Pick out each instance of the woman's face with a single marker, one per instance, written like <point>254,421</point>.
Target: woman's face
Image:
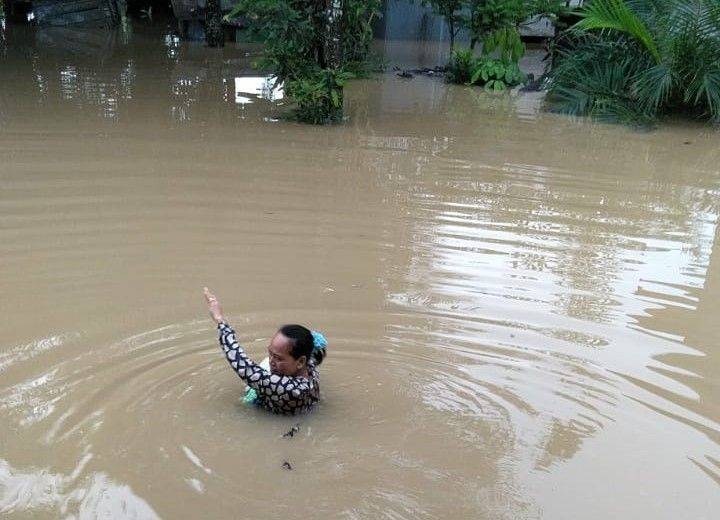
<point>281,361</point>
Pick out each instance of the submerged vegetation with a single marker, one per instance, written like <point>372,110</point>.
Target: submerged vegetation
<point>496,25</point>
<point>313,48</point>
<point>494,73</point>
<point>357,34</point>
<point>635,61</point>
<point>629,61</point>
<point>319,95</point>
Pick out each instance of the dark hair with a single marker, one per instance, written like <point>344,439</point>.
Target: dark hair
<point>303,343</point>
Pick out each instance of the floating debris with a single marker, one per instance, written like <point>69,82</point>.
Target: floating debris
<point>410,73</point>
<point>286,465</point>
<point>533,84</point>
<point>292,431</point>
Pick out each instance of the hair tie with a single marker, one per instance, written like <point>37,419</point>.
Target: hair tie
<point>319,341</point>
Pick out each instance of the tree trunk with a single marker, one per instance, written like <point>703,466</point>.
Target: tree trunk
<point>332,50</point>
<point>332,43</point>
<point>451,25</point>
<point>213,24</point>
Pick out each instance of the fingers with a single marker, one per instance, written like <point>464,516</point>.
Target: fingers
<point>209,297</point>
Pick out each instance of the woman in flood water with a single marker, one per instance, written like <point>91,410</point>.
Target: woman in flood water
<point>292,384</point>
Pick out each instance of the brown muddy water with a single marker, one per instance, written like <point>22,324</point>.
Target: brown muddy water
<point>522,308</point>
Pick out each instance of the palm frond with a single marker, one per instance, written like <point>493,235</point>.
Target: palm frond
<point>705,92</point>
<point>653,86</point>
<point>615,15</point>
<point>611,110</point>
<point>595,79</point>
<point>635,59</point>
<point>708,20</point>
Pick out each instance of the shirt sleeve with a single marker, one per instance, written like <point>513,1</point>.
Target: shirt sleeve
<point>253,374</point>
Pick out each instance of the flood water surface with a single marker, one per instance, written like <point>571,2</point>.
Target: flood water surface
<point>522,308</point>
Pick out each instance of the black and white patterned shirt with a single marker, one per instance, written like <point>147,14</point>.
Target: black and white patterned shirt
<point>279,394</point>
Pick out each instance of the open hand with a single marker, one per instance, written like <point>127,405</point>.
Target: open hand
<point>213,306</point>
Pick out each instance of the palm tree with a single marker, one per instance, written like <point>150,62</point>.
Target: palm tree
<point>634,60</point>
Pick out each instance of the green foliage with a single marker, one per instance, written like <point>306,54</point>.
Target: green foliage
<point>506,42</point>
<point>461,66</point>
<point>497,74</point>
<point>635,61</point>
<point>290,36</point>
<point>451,10</point>
<point>295,33</point>
<point>489,16</point>
<point>616,15</point>
<point>357,34</point>
<point>494,73</point>
<point>595,78</point>
<point>497,22</point>
<point>319,96</point>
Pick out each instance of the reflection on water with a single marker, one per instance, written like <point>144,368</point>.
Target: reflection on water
<point>520,305</point>
<point>64,62</point>
<point>264,87</point>
<point>571,267</point>
<point>97,497</point>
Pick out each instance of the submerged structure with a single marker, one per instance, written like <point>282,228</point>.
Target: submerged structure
<point>62,13</point>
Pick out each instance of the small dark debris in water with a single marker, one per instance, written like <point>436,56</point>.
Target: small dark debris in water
<point>286,465</point>
<point>532,84</point>
<point>430,72</point>
<point>687,142</point>
<point>512,335</point>
<point>292,431</point>
<point>410,73</point>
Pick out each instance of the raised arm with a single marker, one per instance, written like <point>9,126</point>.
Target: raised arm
<point>250,372</point>
<point>253,375</point>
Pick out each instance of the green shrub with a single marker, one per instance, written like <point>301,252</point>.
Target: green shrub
<point>301,49</point>
<point>357,36</point>
<point>635,61</point>
<point>496,23</point>
<point>595,78</point>
<point>496,73</point>
<point>493,73</point>
<point>488,18</point>
<point>461,66</point>
<point>318,96</point>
